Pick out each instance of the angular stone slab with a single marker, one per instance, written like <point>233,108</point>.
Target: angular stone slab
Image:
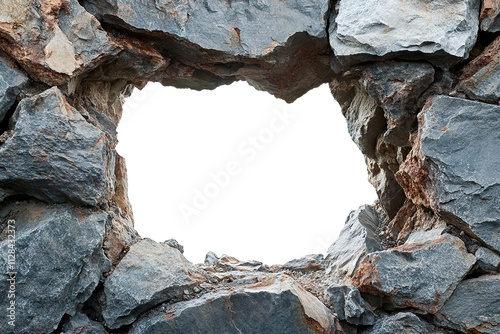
<point>275,306</point>
<point>407,323</point>
<point>11,83</point>
<point>55,155</point>
<point>59,262</point>
<point>363,30</point>
<point>348,305</point>
<point>456,165</point>
<point>487,260</point>
<point>396,86</point>
<point>149,274</point>
<point>357,239</point>
<point>53,40</point>
<point>473,307</point>
<point>311,262</point>
<point>481,77</point>
<point>420,274</point>
<point>277,46</point>
<point>233,27</point>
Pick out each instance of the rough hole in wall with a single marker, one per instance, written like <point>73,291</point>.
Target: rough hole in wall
<point>237,171</point>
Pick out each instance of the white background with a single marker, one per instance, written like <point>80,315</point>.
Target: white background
<point>292,195</point>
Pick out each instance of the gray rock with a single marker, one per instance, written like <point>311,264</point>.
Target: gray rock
<point>211,259</point>
<point>55,155</point>
<point>276,306</point>
<point>81,324</point>
<point>310,262</point>
<point>481,77</point>
<point>487,260</point>
<point>173,243</point>
<point>149,274</point>
<point>473,307</point>
<point>464,187</point>
<point>228,263</point>
<point>12,81</point>
<point>348,305</point>
<point>365,120</point>
<point>280,47</point>
<point>53,41</point>
<point>396,87</point>
<point>362,31</point>
<point>422,236</point>
<point>357,239</point>
<point>406,322</point>
<point>366,123</point>
<point>235,28</point>
<point>420,274</point>
<point>59,262</point>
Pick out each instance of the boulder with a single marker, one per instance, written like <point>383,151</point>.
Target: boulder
<point>12,81</point>
<point>357,239</point>
<point>487,260</point>
<point>396,87</point>
<point>211,259</point>
<point>480,79</point>
<point>277,305</point>
<point>421,274</point>
<point>53,154</point>
<point>149,274</point>
<point>451,168</point>
<point>473,307</point>
<point>406,322</point>
<point>348,305</point>
<point>229,263</point>
<point>53,40</point>
<point>307,263</point>
<point>253,40</point>
<point>58,259</point>
<point>360,31</point>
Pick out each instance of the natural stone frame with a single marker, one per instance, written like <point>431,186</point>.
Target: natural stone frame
<point>62,102</point>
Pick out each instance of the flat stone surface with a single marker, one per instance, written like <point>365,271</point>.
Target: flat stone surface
<point>362,30</point>
<point>55,155</point>
<point>420,274</point>
<point>149,274</point>
<point>357,239</point>
<point>275,306</point>
<point>473,307</point>
<point>59,262</point>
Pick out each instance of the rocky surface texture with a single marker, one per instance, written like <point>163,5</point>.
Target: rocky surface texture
<point>418,84</point>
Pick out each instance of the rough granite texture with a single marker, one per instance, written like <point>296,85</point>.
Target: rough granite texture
<point>362,30</point>
<point>59,262</point>
<point>456,141</point>
<point>274,306</point>
<point>418,85</point>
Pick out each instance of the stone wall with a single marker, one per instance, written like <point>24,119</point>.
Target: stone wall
<point>419,86</point>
